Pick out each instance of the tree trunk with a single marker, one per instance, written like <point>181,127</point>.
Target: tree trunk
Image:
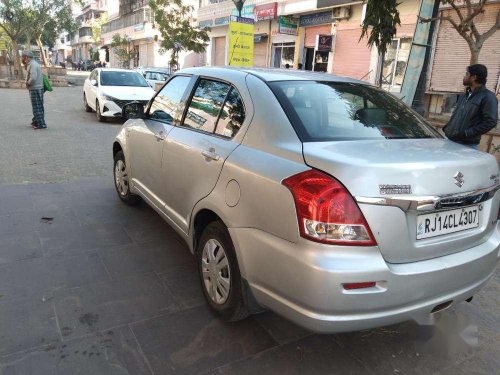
<point>474,55</point>
<point>17,62</point>
<point>42,52</point>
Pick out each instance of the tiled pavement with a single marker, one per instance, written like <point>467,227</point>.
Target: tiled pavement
<point>91,286</point>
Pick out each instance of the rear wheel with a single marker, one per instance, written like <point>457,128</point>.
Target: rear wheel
<point>219,273</point>
<point>122,181</point>
<point>85,104</point>
<point>100,117</point>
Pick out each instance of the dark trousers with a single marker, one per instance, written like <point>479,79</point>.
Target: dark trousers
<point>36,97</point>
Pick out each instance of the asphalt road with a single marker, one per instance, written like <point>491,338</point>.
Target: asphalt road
<point>90,286</point>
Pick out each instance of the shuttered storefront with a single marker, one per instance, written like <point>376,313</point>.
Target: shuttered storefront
<point>452,55</point>
<point>311,32</point>
<point>260,54</point>
<point>351,57</point>
<point>220,51</point>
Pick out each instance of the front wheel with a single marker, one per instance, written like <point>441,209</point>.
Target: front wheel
<point>85,104</point>
<point>220,274</point>
<point>122,181</point>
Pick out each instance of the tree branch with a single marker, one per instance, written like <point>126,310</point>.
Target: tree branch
<point>493,29</point>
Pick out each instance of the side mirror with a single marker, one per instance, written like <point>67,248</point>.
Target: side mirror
<point>133,110</point>
<point>93,82</point>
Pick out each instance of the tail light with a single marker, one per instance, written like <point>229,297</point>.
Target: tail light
<point>326,211</point>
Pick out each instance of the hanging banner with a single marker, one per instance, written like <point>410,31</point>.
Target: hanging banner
<point>287,25</point>
<point>240,46</point>
<point>324,43</point>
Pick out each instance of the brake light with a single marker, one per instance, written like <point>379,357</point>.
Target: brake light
<point>326,211</point>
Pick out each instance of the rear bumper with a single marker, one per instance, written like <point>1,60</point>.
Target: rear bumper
<point>303,281</point>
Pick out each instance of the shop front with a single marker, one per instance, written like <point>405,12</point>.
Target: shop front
<point>284,33</point>
<point>317,30</point>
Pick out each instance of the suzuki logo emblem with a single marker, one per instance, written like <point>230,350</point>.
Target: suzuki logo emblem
<point>459,178</point>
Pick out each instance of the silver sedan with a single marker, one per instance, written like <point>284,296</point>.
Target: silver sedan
<point>322,198</point>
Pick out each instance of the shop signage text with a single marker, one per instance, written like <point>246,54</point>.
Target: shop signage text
<point>240,43</point>
<point>205,23</point>
<point>324,43</point>
<point>266,11</point>
<point>221,21</point>
<point>139,27</point>
<point>316,19</point>
<point>287,25</point>
<point>246,12</point>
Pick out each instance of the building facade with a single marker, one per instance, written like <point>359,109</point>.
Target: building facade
<point>83,44</point>
<point>319,35</point>
<point>134,19</point>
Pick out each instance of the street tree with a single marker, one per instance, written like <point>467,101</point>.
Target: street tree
<point>14,16</point>
<point>43,14</point>
<point>121,47</point>
<point>382,18</point>
<point>178,34</point>
<point>96,28</point>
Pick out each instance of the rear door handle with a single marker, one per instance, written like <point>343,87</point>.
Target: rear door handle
<point>210,154</point>
<point>160,137</point>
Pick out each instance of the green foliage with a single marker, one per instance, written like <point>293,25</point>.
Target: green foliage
<point>174,21</point>
<point>96,28</point>
<point>382,17</point>
<point>123,50</point>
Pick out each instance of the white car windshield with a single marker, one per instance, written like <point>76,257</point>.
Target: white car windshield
<point>332,111</point>
<point>117,78</point>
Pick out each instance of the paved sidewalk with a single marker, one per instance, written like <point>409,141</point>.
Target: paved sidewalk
<point>75,145</point>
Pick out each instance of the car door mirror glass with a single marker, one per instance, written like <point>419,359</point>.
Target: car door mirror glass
<point>133,110</point>
<point>93,82</point>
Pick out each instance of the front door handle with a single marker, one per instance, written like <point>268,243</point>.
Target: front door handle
<point>160,137</point>
<point>210,154</point>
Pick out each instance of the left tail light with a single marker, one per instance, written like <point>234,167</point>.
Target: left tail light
<point>326,211</point>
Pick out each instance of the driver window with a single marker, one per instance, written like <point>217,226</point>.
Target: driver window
<point>165,106</point>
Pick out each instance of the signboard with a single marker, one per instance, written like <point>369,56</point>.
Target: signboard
<point>240,46</point>
<point>205,23</point>
<point>246,12</point>
<point>221,21</point>
<point>324,43</point>
<point>266,11</point>
<point>332,3</point>
<point>3,41</point>
<point>316,19</point>
<point>139,27</point>
<point>287,25</point>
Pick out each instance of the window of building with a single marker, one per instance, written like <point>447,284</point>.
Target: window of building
<point>394,65</point>
<point>283,54</point>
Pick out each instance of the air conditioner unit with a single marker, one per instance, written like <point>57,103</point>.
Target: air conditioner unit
<point>341,13</point>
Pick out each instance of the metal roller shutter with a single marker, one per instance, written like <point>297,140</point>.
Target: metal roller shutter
<point>311,32</point>
<point>452,55</point>
<point>260,54</point>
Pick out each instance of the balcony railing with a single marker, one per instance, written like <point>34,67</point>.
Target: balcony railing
<point>140,16</point>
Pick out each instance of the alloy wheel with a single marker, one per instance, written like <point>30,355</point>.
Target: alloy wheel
<point>121,178</point>
<point>216,272</point>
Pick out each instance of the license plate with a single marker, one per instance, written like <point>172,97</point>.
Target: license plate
<point>445,222</point>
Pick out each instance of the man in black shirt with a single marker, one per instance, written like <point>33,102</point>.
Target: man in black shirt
<point>476,112</point>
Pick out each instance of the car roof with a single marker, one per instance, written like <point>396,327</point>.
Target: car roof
<point>115,70</point>
<point>272,74</point>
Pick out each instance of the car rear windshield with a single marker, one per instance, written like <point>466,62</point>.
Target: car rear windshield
<point>335,111</point>
<point>122,79</point>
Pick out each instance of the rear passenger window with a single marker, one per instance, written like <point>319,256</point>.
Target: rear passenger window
<point>165,106</point>
<point>206,104</point>
<point>232,116</point>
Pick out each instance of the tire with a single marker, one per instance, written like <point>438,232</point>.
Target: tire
<point>225,298</point>
<point>100,117</point>
<point>121,181</point>
<point>85,104</point>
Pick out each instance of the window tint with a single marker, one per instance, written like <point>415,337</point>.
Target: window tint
<point>206,104</point>
<point>166,104</point>
<point>332,111</point>
<point>232,115</point>
<point>119,78</point>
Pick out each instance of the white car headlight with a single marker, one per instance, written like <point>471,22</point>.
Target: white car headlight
<point>107,97</point>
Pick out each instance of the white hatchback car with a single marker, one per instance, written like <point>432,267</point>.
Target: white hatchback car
<point>106,91</point>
